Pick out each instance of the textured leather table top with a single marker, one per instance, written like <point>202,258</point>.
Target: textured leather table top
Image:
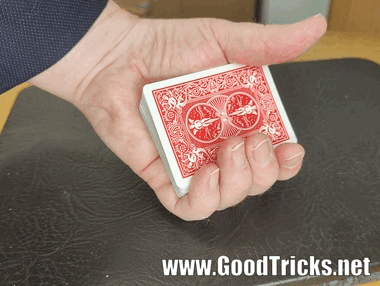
<point>71,213</point>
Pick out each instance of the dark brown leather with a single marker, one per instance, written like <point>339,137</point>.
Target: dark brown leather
<point>71,213</point>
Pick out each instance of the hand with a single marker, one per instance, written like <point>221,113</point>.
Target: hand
<point>121,53</point>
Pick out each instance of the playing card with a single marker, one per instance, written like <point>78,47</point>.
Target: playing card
<point>190,116</point>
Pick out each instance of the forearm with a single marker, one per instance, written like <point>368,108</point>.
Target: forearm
<point>72,74</point>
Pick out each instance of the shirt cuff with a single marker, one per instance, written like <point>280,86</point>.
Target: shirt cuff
<point>35,34</point>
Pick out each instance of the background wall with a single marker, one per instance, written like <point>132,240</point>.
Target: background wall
<point>291,11</point>
<point>240,11</point>
<point>357,16</point>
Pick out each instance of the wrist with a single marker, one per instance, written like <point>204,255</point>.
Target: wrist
<point>70,76</point>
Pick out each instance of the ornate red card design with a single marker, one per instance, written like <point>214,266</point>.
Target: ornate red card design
<point>198,115</point>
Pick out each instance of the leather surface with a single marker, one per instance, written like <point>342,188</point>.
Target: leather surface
<point>71,213</point>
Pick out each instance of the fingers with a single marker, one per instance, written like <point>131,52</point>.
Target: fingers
<point>256,44</point>
<point>245,167</point>
<point>235,172</point>
<point>289,157</point>
<point>263,162</point>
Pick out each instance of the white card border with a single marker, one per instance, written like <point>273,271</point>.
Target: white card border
<point>280,106</point>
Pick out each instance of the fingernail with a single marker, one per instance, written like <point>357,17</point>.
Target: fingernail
<point>293,161</point>
<point>318,15</point>
<point>238,155</point>
<point>214,179</point>
<point>262,152</point>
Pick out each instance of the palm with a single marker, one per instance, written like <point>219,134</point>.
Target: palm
<point>166,49</point>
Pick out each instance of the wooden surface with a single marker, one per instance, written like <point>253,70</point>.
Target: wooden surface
<point>336,44</point>
<point>357,16</point>
<point>6,102</point>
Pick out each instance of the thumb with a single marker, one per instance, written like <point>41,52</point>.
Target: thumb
<point>256,44</point>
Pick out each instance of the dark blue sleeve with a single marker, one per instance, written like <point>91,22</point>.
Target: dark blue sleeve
<point>35,34</point>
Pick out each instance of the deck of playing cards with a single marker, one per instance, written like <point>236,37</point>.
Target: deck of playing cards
<point>190,116</point>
